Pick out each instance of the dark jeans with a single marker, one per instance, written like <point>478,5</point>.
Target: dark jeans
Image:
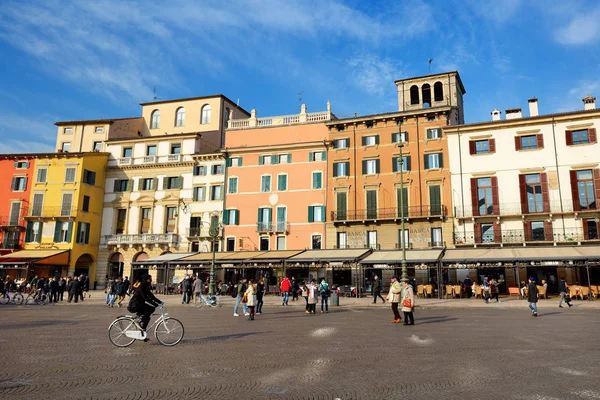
<point>306,298</point>
<point>376,294</point>
<point>145,314</point>
<point>495,296</point>
<point>325,301</point>
<point>395,310</point>
<point>61,294</point>
<point>54,297</point>
<point>468,292</point>
<point>73,296</point>
<point>259,304</point>
<point>408,315</point>
<point>295,294</point>
<point>312,307</point>
<point>251,312</point>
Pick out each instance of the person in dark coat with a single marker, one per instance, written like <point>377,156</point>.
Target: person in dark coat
<point>532,296</point>
<point>62,286</point>
<point>260,292</point>
<point>54,290</point>
<point>563,289</point>
<point>295,289</point>
<point>150,302</point>
<point>73,287</point>
<point>468,285</point>
<point>377,290</point>
<point>126,284</point>
<point>186,289</point>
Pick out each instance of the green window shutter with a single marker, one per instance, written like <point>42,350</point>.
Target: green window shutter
<point>115,186</point>
<point>376,139</point>
<point>28,232</point>
<point>323,214</point>
<point>406,136</point>
<point>428,133</point>
<point>347,168</point>
<point>323,156</point>
<point>204,171</point>
<point>311,214</point>
<point>426,161</point>
<point>57,227</point>
<point>289,158</point>
<point>377,169</point>
<point>275,159</point>
<point>228,162</point>
<point>311,156</point>
<point>240,161</point>
<point>347,142</point>
<point>363,140</point>
<point>225,217</point>
<point>441,160</point>
<point>320,180</point>
<point>260,215</point>
<point>69,232</point>
<point>261,160</point>
<point>154,183</point>
<point>270,215</point>
<point>237,217</point>
<point>439,132</point>
<point>364,167</point>
<point>180,182</point>
<point>395,137</point>
<point>335,169</point>
<point>78,232</point>
<point>404,199</point>
<point>407,163</point>
<point>93,178</point>
<point>87,233</point>
<point>341,206</point>
<point>395,166</point>
<point>130,185</point>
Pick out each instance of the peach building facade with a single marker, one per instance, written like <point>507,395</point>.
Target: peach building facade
<point>276,187</point>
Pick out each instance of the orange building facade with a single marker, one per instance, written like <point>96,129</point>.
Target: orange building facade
<point>275,182</point>
<point>364,185</point>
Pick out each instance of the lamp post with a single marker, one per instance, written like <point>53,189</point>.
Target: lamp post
<point>403,236</point>
<point>213,231</point>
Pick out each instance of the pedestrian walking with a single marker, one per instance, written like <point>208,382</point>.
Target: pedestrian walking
<point>408,303</point>
<point>111,292</point>
<point>62,286</point>
<point>286,286</point>
<point>126,285</point>
<point>251,299</point>
<point>240,290</point>
<point>73,289</point>
<point>81,289</point>
<point>186,290</point>
<point>563,289</point>
<point>532,296</point>
<point>486,290</point>
<point>260,292</point>
<point>494,290</point>
<point>295,289</point>
<point>325,293</point>
<point>394,298</point>
<point>304,293</point>
<point>312,298</point>
<point>121,291</point>
<point>377,290</point>
<point>54,290</point>
<point>198,287</point>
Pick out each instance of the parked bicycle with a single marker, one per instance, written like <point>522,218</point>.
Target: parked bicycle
<point>211,301</point>
<point>126,329</point>
<point>16,298</point>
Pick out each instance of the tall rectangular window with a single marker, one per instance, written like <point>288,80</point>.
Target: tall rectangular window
<point>371,204</point>
<point>195,226</point>
<point>217,169</point>
<point>484,193</point>
<point>174,182</point>
<point>67,202</point>
<point>171,221</point>
<point>435,200</point>
<point>198,193</point>
<point>146,213</point>
<point>216,192</point>
<point>265,183</point>
<point>404,237</point>
<point>66,147</point>
<point>341,169</point>
<point>89,177</point>
<point>19,184</point>
<point>38,203</point>
<point>41,175</point>
<point>121,217</point>
<point>402,202</point>
<point>264,243</point>
<point>317,180</point>
<point>62,232</point>
<point>341,206</point>
<point>537,231</point>
<point>151,150</point>
<point>33,232</point>
<point>70,175</point>
<point>121,185</point>
<point>436,237</point>
<point>146,184</point>
<point>83,233</point>
<point>372,239</point>
<point>533,184</point>
<point>370,167</point>
<point>590,228</point>
<point>231,217</point>
<point>487,233</point>
<point>316,242</point>
<point>397,165</point>
<point>342,240</point>
<point>127,152</point>
<point>433,161</point>
<point>282,182</point>
<point>264,219</point>
<point>585,190</point>
<point>316,213</point>
<point>15,213</point>
<point>281,219</point>
<point>280,242</point>
<point>232,186</point>
<point>97,146</point>
<point>230,244</point>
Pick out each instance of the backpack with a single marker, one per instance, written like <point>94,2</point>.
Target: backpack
<point>326,291</point>
<point>135,304</point>
<point>234,291</point>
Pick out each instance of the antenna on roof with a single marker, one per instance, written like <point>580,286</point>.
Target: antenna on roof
<point>155,96</point>
<point>300,100</point>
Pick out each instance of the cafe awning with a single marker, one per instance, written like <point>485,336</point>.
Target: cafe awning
<point>240,257</point>
<point>522,254</point>
<point>325,256</point>
<point>160,261</point>
<point>202,258</point>
<point>275,256</point>
<point>395,257</point>
<point>35,257</point>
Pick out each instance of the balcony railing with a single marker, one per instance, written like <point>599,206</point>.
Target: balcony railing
<point>389,213</point>
<point>11,245</point>
<point>12,221</point>
<point>264,227</point>
<point>514,208</point>
<point>143,238</point>
<point>519,236</point>
<point>282,226</point>
<point>408,246</point>
<point>303,117</point>
<point>174,158</point>
<point>149,160</point>
<point>125,161</point>
<point>198,232</point>
<point>51,212</point>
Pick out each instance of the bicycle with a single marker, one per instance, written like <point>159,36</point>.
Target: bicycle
<point>212,301</point>
<point>125,330</point>
<point>37,297</point>
<point>17,298</point>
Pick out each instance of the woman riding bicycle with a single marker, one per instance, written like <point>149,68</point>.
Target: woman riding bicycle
<point>146,301</point>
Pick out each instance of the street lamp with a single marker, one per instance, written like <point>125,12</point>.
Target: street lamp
<point>213,232</point>
<point>403,236</point>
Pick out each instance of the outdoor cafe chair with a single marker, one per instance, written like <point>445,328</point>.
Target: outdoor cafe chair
<point>449,291</point>
<point>428,290</point>
<point>584,292</point>
<point>542,292</point>
<point>458,291</point>
<point>594,290</point>
<point>476,291</point>
<point>573,292</point>
<point>420,290</point>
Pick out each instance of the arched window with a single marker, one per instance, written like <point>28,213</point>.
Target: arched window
<point>426,93</point>
<point>414,94</point>
<point>438,91</point>
<point>205,119</point>
<point>180,117</point>
<point>155,119</point>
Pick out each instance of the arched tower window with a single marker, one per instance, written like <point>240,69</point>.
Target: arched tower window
<point>438,91</point>
<point>414,94</point>
<point>180,117</point>
<point>205,119</point>
<point>155,119</point>
<point>426,93</point>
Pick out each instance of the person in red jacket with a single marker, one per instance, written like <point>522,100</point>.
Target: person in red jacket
<point>285,290</point>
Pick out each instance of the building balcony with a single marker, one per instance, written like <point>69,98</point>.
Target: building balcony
<point>198,232</point>
<point>142,238</point>
<point>8,223</point>
<point>50,212</point>
<point>380,214</point>
<point>174,158</point>
<point>149,160</point>
<point>302,118</point>
<point>281,227</point>
<point>264,227</point>
<point>514,209</point>
<point>11,245</point>
<point>125,161</point>
<point>398,246</point>
<point>520,236</point>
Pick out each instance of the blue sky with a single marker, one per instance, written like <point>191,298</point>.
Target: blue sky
<point>65,60</point>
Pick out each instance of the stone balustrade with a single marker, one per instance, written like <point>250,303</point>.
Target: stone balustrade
<point>302,118</point>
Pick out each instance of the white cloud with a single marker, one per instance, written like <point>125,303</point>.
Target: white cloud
<point>581,29</point>
<point>34,133</point>
<point>374,75</point>
<point>495,10</point>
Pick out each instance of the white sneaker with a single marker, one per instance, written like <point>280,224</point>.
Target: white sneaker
<point>246,314</point>
<point>236,314</point>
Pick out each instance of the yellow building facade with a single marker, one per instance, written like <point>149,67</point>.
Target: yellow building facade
<point>64,213</point>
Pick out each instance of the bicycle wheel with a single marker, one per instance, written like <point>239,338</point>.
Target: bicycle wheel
<point>199,303</point>
<point>4,299</point>
<point>40,300</point>
<point>18,298</point>
<point>116,332</point>
<point>169,332</point>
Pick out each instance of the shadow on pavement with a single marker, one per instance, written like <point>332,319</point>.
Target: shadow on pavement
<point>434,321</point>
<point>222,337</point>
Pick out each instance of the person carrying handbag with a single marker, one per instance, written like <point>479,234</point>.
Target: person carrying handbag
<point>408,303</point>
<point>394,297</point>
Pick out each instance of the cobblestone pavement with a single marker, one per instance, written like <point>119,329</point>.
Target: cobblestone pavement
<point>63,352</point>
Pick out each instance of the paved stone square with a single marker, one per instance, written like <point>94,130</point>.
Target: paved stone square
<point>63,352</point>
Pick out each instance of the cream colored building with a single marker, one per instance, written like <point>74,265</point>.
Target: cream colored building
<point>149,180</point>
<point>527,181</point>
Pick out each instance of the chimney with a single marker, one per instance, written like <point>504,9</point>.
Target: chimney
<point>589,102</point>
<point>513,113</point>
<point>496,115</point>
<point>533,107</point>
